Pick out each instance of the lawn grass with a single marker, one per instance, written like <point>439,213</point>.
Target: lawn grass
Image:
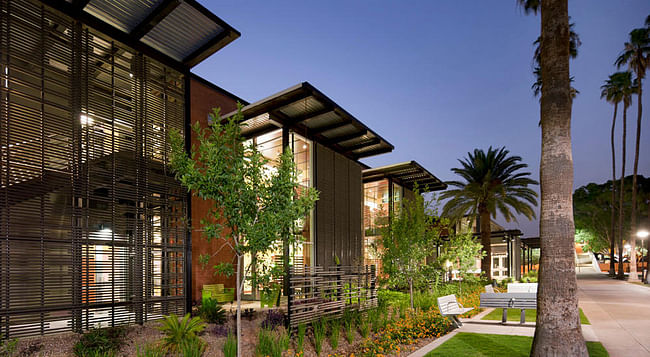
<point>474,344</point>
<point>514,315</point>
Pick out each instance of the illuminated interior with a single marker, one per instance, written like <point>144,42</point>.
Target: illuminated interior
<point>270,146</point>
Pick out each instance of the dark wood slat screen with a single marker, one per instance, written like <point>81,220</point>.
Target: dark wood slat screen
<point>323,292</point>
<point>91,220</point>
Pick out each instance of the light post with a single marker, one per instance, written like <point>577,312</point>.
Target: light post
<point>643,234</point>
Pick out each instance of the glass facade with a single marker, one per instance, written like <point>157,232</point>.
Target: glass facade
<point>376,205</point>
<point>91,219</point>
<point>270,145</point>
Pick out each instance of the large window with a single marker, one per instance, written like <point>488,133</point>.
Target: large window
<point>375,212</point>
<point>270,145</point>
<point>91,219</point>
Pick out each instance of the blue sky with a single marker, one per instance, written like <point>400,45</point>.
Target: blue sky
<point>435,78</point>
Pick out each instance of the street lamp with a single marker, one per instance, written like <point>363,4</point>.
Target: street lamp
<point>643,234</point>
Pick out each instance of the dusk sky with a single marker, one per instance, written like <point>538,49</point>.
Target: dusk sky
<point>435,78</point>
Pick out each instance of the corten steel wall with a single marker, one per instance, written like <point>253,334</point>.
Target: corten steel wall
<point>339,209</point>
<point>203,98</point>
<point>91,220</point>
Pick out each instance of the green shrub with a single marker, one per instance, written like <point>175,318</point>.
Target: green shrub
<point>193,347</point>
<point>364,327</point>
<point>387,298</point>
<point>8,347</point>
<point>150,351</point>
<point>230,346</point>
<point>334,332</point>
<point>99,342</point>
<point>176,332</point>
<point>319,335</point>
<point>374,317</point>
<point>424,301</point>
<point>301,337</point>
<point>349,330</point>
<point>269,345</point>
<point>283,340</point>
<point>212,312</point>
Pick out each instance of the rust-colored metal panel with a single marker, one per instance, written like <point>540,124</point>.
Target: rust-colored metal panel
<point>203,99</point>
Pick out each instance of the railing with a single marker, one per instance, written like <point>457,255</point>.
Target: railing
<point>316,292</point>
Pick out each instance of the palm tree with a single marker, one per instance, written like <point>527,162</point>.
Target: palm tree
<point>574,43</point>
<point>492,183</point>
<point>612,91</point>
<point>637,56</point>
<point>627,87</point>
<point>558,331</point>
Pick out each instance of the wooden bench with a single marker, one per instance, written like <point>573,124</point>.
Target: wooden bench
<point>449,306</point>
<point>522,288</point>
<point>521,301</point>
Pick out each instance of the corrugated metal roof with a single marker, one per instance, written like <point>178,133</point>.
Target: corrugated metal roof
<point>177,32</point>
<point>182,32</point>
<point>310,113</point>
<point>122,14</point>
<point>407,174</point>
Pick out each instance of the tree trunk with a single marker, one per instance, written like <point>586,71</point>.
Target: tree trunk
<point>486,261</point>
<point>612,237</point>
<point>621,272</point>
<point>239,291</point>
<point>411,291</point>
<point>558,331</point>
<point>633,274</point>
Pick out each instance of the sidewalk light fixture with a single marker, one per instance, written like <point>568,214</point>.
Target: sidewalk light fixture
<point>643,234</point>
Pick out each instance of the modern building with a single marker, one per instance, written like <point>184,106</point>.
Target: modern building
<point>93,227</point>
<point>384,189</point>
<point>92,223</point>
<point>327,142</point>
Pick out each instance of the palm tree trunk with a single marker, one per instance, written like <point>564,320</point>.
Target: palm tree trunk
<point>633,274</point>
<point>621,272</point>
<point>558,331</point>
<point>486,261</point>
<point>612,236</point>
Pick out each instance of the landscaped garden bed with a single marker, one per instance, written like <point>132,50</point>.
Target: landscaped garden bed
<point>392,329</point>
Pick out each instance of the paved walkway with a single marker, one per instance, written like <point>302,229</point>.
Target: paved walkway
<point>619,313</point>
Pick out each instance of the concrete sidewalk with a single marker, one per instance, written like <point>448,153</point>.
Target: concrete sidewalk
<point>619,313</point>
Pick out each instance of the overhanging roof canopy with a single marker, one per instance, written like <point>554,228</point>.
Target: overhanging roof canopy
<point>407,174</point>
<point>310,113</point>
<point>182,32</point>
<point>531,242</point>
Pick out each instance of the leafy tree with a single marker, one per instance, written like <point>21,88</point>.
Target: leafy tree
<point>254,208</point>
<point>406,240</point>
<point>558,331</point>
<point>461,251</point>
<point>592,204</point>
<point>492,183</point>
<point>637,56</point>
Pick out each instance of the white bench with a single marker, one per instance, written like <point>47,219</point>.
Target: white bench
<point>520,301</point>
<point>522,288</point>
<point>449,306</point>
<point>489,289</point>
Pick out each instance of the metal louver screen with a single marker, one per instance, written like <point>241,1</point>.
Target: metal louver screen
<point>91,220</point>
